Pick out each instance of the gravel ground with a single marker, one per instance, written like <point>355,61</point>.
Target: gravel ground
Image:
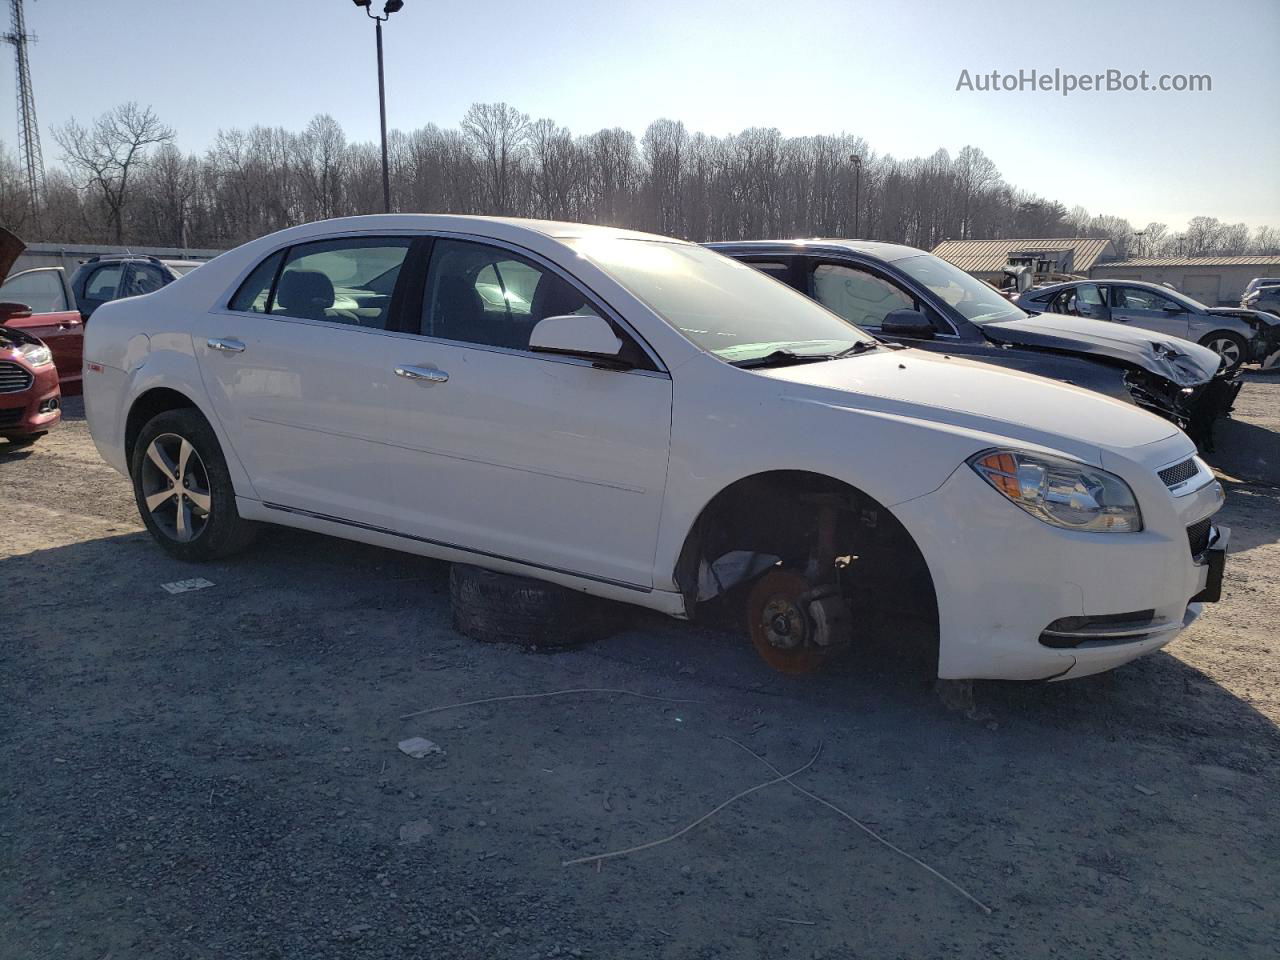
<point>215,773</point>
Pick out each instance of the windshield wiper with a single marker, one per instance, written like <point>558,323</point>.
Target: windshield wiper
<point>781,358</point>
<point>862,346</point>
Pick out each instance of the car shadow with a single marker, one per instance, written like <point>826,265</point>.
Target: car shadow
<point>12,453</point>
<point>1246,452</point>
<point>313,594</point>
<point>255,720</point>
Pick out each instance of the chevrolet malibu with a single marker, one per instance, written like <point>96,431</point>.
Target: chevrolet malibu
<point>644,420</point>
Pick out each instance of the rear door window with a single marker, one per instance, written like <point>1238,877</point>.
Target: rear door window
<point>144,278</point>
<point>104,283</point>
<point>348,280</point>
<point>255,293</point>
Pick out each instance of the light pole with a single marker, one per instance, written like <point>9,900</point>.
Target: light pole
<point>856,159</point>
<point>390,7</point>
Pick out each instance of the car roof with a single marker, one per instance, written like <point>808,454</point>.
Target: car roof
<point>555,229</point>
<point>887,252</point>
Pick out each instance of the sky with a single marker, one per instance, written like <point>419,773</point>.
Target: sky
<point>887,71</point>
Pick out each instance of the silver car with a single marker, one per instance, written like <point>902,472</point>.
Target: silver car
<point>1264,297</point>
<point>1237,335</point>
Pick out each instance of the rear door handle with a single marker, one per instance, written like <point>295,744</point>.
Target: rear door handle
<point>225,345</point>
<point>425,375</point>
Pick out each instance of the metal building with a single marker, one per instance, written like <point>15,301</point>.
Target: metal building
<point>986,259</point>
<point>1215,281</point>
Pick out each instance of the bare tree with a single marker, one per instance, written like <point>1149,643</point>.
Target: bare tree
<point>107,153</point>
<point>751,183</point>
<point>498,131</point>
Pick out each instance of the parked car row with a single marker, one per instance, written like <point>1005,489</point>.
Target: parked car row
<point>42,314</point>
<point>646,420</point>
<point>1238,335</point>
<point>1262,293</point>
<point>903,295</point>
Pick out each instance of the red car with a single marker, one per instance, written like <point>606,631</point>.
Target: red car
<point>48,311</point>
<point>30,401</point>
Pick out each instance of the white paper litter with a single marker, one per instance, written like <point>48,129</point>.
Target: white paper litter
<point>182,586</point>
<point>419,747</point>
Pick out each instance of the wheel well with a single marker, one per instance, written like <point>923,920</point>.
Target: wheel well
<point>150,404</point>
<point>1224,333</point>
<point>779,513</point>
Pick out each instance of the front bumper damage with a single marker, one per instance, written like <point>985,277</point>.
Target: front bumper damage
<point>1195,409</point>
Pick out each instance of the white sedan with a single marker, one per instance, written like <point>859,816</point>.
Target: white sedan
<point>647,421</point>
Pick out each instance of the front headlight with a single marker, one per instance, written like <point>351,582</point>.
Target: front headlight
<point>36,354</point>
<point>1065,493</point>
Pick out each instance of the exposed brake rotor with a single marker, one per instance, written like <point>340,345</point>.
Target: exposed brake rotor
<point>794,627</point>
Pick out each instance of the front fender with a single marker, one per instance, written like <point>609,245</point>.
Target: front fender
<point>721,435</point>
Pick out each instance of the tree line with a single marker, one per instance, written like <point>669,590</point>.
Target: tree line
<point>124,180</point>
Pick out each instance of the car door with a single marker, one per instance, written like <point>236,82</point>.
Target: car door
<point>550,460</point>
<point>102,284</point>
<point>298,369</point>
<point>1082,300</point>
<point>52,319</point>
<point>1149,310</point>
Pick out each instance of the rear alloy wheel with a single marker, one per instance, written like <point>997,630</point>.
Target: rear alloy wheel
<point>175,487</point>
<point>782,628</point>
<point>1231,347</point>
<point>183,489</point>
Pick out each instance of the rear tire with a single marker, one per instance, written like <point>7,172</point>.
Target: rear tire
<point>195,518</point>
<point>1230,346</point>
<point>503,608</point>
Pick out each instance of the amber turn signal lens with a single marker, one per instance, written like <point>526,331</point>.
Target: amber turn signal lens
<point>1002,470</point>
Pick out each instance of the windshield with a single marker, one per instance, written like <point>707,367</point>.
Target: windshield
<point>723,306</point>
<point>974,300</point>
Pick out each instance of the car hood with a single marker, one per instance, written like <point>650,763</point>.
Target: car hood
<point>974,396</point>
<point>1185,363</point>
<point>11,338</point>
<point>1258,319</point>
<point>10,250</point>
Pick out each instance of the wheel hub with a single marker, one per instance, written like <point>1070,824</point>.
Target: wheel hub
<point>782,629</point>
<point>175,487</point>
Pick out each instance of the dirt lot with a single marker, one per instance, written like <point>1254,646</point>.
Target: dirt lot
<point>215,773</point>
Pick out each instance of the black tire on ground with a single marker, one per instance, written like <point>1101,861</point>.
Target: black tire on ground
<point>223,532</point>
<point>1241,346</point>
<point>503,608</point>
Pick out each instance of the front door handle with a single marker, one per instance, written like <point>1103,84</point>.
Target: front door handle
<point>225,345</point>
<point>425,375</point>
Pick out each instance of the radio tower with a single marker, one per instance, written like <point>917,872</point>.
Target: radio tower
<point>29,154</point>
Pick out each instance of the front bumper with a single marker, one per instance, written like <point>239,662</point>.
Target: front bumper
<point>1003,577</point>
<point>34,410</point>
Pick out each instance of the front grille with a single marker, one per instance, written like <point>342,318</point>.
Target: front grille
<point>1179,473</point>
<point>9,417</point>
<point>13,378</point>
<point>1198,536</point>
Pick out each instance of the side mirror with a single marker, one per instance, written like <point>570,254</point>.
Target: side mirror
<point>577,335</point>
<point>907,323</point>
<point>1173,308</point>
<point>13,311</point>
